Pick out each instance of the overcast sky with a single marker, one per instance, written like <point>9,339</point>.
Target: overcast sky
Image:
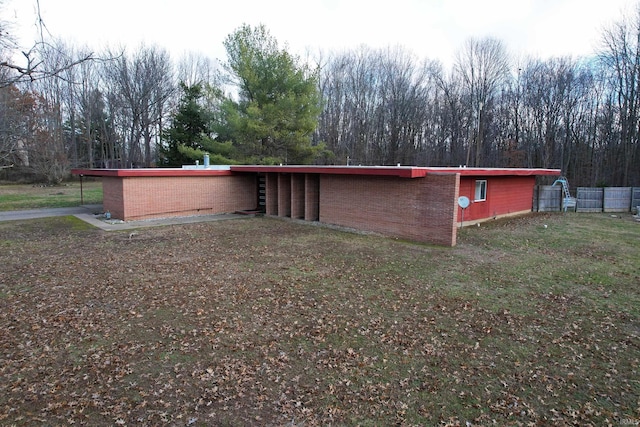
<point>433,29</point>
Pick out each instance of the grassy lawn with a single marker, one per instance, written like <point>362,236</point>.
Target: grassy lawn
<point>27,196</point>
<point>262,321</point>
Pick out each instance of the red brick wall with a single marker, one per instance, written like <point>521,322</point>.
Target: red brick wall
<point>271,181</point>
<point>312,197</point>
<point>297,196</point>
<point>505,195</point>
<point>113,200</point>
<point>420,209</point>
<point>284,195</point>
<point>154,197</point>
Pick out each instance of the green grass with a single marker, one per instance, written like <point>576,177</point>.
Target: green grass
<point>27,196</point>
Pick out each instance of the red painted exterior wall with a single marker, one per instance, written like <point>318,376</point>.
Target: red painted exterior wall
<point>506,195</point>
<point>131,198</point>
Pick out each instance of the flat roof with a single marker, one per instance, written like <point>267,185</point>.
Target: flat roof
<point>397,171</point>
<point>151,172</point>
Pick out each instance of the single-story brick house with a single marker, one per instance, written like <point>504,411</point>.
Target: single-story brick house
<point>414,203</point>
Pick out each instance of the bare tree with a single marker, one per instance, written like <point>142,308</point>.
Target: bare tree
<point>32,66</point>
<point>400,116</point>
<point>483,65</point>
<point>375,106</point>
<point>48,143</point>
<point>195,69</point>
<point>15,109</point>
<point>90,115</point>
<point>139,88</point>
<point>450,117</point>
<point>13,104</point>
<point>620,53</point>
<point>332,127</point>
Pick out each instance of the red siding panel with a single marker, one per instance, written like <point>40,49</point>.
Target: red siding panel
<point>505,196</point>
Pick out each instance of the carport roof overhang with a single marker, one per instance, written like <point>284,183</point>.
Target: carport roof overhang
<point>394,171</point>
<point>150,172</point>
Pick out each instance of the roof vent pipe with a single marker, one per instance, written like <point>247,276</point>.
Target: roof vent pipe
<point>206,160</point>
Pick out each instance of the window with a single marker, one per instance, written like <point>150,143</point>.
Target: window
<point>481,190</point>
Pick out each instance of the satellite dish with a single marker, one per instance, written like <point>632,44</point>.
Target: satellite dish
<point>463,202</point>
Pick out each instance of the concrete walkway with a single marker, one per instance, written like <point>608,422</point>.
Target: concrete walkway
<point>92,214</point>
<point>48,212</point>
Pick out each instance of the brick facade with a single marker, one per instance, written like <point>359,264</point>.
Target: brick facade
<point>421,209</point>
<point>131,198</point>
<point>297,196</point>
<point>407,202</point>
<point>112,196</point>
<point>312,197</point>
<point>284,195</point>
<point>271,201</point>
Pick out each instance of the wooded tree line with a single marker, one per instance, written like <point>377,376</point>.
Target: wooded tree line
<point>139,108</point>
<point>579,115</point>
